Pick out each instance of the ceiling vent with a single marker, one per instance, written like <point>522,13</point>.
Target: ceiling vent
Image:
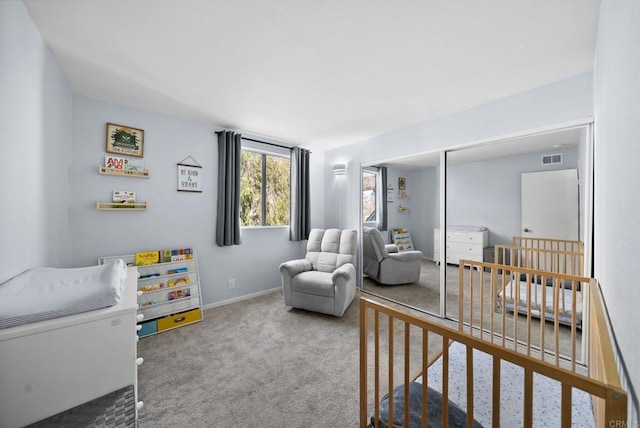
<point>552,159</point>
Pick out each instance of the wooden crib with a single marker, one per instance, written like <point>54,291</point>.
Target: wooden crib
<point>402,354</point>
<point>535,294</point>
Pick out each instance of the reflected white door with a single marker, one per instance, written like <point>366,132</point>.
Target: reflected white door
<point>550,204</point>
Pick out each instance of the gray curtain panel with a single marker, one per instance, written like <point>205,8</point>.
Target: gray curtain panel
<point>299,224</point>
<point>228,221</point>
<point>382,224</point>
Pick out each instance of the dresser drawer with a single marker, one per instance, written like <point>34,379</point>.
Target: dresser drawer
<point>179,319</point>
<point>472,237</point>
<point>464,248</point>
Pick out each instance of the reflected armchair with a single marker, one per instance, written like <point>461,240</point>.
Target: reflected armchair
<point>325,280</point>
<point>384,264</point>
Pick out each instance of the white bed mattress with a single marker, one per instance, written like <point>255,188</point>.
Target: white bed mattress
<point>44,293</point>
<point>565,300</point>
<point>546,392</point>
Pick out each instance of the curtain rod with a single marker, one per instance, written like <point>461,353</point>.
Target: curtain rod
<point>262,142</point>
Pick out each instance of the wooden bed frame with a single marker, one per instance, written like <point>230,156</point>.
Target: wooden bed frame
<point>598,375</point>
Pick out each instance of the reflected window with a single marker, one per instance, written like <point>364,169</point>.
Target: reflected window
<point>369,196</point>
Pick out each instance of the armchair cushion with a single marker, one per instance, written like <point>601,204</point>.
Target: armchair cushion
<point>314,282</point>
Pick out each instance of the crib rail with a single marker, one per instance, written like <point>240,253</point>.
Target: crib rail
<point>541,314</point>
<point>382,327</point>
<point>548,244</point>
<point>548,260</point>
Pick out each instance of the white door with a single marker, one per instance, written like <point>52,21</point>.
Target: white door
<point>550,204</point>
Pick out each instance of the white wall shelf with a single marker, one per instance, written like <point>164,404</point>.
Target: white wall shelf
<point>119,206</point>
<point>123,172</point>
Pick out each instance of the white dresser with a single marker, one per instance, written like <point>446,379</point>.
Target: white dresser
<point>463,242</point>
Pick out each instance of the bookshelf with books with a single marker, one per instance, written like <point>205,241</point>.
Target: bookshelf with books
<point>168,288</point>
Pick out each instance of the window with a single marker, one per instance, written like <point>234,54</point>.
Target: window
<point>264,188</point>
<point>369,196</point>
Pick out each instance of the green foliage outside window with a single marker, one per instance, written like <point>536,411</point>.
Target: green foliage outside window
<point>274,209</point>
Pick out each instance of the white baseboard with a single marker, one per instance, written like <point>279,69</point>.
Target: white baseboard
<point>241,298</point>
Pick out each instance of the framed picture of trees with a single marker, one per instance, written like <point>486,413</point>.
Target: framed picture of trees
<point>125,140</point>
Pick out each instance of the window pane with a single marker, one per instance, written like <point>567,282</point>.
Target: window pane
<point>277,185</point>
<point>369,196</point>
<point>251,189</point>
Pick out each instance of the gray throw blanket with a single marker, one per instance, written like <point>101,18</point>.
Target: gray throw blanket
<point>457,417</point>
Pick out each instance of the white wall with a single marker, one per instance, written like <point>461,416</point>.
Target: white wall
<point>617,190</point>
<point>488,193</point>
<point>566,100</point>
<point>35,129</point>
<point>174,219</point>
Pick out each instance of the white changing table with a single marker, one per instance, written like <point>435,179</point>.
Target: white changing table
<point>50,366</point>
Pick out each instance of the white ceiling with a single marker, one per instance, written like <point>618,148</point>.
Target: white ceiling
<point>316,73</point>
<point>547,142</point>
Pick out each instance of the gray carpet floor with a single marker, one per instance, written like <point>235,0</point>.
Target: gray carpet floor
<point>260,363</point>
<point>254,363</point>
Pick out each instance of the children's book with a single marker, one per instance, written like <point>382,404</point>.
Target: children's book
<point>124,196</point>
<point>147,258</point>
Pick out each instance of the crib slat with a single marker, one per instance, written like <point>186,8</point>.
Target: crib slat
<point>565,406</point>
<point>407,348</point>
<point>363,366</point>
<point>556,320</point>
<point>425,377</point>
<point>376,367</point>
<point>481,302</point>
<point>391,352</point>
<point>461,298</point>
<point>470,300</point>
<point>495,404</point>
<point>445,381</point>
<point>469,386</point>
<point>528,398</point>
<point>574,323</point>
<point>542,322</point>
<point>529,289</point>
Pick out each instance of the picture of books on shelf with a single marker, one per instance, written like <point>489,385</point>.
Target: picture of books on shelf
<point>118,162</point>
<point>124,197</point>
<point>179,294</point>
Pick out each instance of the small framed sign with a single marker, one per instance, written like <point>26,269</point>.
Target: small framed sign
<point>189,176</point>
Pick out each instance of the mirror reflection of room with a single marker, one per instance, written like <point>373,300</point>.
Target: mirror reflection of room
<point>488,203</point>
<point>398,244</point>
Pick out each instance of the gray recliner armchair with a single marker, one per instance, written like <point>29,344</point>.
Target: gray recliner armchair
<point>384,264</point>
<point>325,280</point>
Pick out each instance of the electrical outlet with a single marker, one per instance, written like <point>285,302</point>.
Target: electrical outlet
<point>232,284</point>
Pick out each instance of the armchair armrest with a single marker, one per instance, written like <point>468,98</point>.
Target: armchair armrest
<point>347,271</point>
<point>294,267</point>
<point>391,248</point>
<point>406,256</point>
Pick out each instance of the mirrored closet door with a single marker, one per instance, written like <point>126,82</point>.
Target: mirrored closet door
<point>403,207</point>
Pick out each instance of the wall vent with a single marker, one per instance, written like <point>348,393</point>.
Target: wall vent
<point>552,159</point>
